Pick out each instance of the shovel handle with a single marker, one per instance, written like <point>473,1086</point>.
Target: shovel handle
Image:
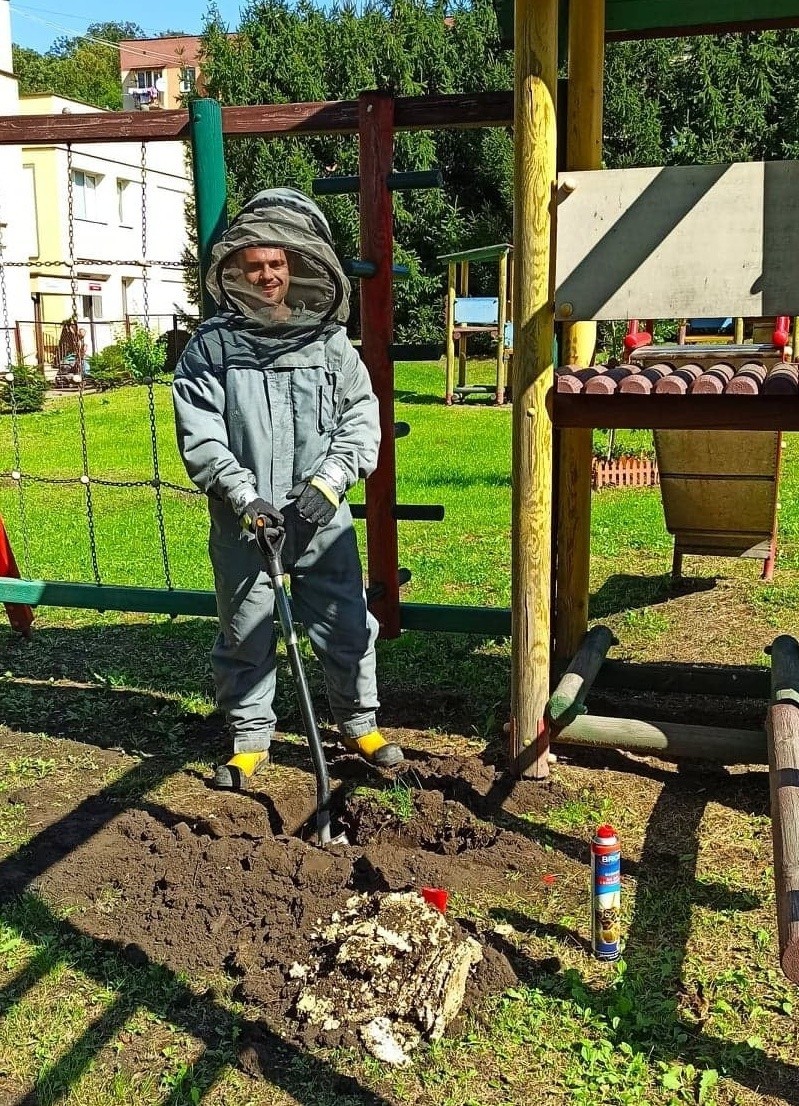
<point>270,540</point>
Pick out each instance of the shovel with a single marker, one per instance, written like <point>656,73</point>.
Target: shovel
<point>270,542</point>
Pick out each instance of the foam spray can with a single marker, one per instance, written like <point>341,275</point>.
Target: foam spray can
<point>605,893</point>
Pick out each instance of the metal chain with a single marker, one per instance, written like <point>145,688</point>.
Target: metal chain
<point>17,473</point>
<point>156,481</point>
<point>138,262</point>
<point>75,480</point>
<point>84,445</point>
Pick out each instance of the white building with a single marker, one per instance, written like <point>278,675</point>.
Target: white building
<point>118,207</point>
<point>17,226</point>
<point>100,212</point>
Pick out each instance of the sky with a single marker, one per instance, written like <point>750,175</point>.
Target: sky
<point>36,23</point>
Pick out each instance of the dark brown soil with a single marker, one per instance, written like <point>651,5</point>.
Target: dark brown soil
<point>229,891</point>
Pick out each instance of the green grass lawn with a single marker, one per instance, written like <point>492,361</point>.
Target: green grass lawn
<point>458,457</point>
<point>698,1012</point>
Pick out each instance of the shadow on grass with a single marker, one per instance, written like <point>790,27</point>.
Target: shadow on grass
<point>624,592</point>
<point>140,983</point>
<point>647,1006</point>
<point>140,685</point>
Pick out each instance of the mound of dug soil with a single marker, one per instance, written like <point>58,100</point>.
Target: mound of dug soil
<point>226,893</point>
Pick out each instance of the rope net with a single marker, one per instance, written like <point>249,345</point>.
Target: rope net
<point>94,490</point>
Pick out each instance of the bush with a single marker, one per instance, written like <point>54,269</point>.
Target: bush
<point>143,354</point>
<point>27,390</point>
<point>109,369</point>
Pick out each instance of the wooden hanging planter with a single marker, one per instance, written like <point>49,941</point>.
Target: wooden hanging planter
<point>624,472</point>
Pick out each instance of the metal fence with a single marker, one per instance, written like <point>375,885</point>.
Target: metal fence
<point>37,342</point>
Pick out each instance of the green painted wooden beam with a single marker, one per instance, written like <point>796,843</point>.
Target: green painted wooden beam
<point>210,185</point>
<point>627,19</point>
<point>490,621</point>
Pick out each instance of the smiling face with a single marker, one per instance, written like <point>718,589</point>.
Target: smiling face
<point>266,268</point>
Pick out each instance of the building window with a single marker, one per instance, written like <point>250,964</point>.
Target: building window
<point>84,195</point>
<point>92,307</point>
<point>146,78</point>
<point>188,79</point>
<point>124,202</point>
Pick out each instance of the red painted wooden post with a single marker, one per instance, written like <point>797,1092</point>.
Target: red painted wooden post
<point>376,135</point>
<point>20,615</point>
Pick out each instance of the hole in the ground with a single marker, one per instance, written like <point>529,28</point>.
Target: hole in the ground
<point>414,820</point>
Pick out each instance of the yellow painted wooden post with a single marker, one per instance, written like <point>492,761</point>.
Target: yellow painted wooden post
<point>738,336</point>
<point>463,341</point>
<point>583,151</point>
<point>502,308</point>
<point>535,132</point>
<point>449,386</point>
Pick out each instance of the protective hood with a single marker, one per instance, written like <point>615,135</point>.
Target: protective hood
<point>318,291</point>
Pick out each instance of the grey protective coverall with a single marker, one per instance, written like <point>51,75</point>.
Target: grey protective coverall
<point>261,405</point>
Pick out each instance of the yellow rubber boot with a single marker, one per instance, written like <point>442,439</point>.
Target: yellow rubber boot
<point>374,749</point>
<point>236,774</point>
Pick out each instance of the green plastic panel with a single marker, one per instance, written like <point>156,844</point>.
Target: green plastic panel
<point>649,18</point>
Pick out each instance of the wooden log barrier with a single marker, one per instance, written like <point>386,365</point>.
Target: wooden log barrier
<point>782,734</point>
<point>748,380</point>
<point>567,699</point>
<point>714,381</point>
<point>642,383</point>
<point>667,739</point>
<point>782,380</point>
<point>607,383</point>
<point>679,382</point>
<point>572,380</point>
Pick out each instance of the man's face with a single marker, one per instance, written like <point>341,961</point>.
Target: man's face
<point>265,267</point>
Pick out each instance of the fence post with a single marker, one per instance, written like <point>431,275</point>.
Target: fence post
<point>210,185</point>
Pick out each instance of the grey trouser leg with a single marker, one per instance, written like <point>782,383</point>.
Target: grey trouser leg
<point>329,602</point>
<point>243,655</point>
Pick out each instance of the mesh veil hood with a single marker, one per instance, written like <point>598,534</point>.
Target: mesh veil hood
<point>286,219</point>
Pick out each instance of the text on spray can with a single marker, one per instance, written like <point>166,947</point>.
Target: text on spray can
<point>605,893</point>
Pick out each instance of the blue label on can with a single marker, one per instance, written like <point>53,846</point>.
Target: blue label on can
<point>606,902</point>
<point>606,936</point>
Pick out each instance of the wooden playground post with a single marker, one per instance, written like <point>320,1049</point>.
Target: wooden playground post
<point>583,151</point>
<point>449,387</point>
<point>502,308</point>
<point>535,125</point>
<point>376,137</point>
<point>782,736</point>
<point>463,340</point>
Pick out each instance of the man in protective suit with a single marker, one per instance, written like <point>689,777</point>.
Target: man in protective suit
<point>276,420</point>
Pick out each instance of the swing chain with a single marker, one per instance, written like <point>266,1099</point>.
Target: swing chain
<point>156,481</point>
<point>73,279</point>
<point>26,554</point>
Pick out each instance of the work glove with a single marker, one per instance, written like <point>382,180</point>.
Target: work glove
<point>259,508</point>
<point>316,501</point>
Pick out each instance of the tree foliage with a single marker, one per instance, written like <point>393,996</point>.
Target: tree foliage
<point>82,67</point>
<point>702,100</point>
<point>285,54</point>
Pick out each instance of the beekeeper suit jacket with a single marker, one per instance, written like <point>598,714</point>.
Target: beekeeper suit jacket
<point>265,398</point>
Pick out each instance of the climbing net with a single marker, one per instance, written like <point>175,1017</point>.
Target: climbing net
<point>79,471</point>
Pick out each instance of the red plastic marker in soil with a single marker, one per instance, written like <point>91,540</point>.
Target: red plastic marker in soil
<point>437,897</point>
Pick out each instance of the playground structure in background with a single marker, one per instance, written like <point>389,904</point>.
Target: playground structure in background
<point>472,315</point>
<point>720,490</point>
<point>631,244</point>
